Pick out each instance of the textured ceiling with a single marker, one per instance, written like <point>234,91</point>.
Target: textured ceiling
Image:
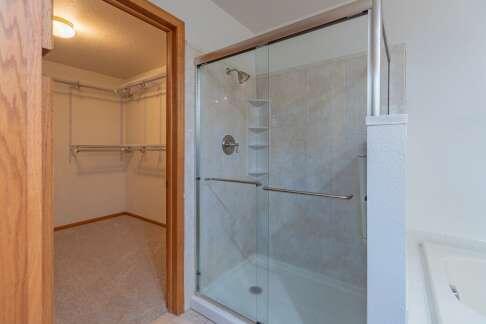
<point>108,40</point>
<point>262,15</point>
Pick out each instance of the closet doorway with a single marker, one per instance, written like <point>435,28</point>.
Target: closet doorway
<point>115,94</point>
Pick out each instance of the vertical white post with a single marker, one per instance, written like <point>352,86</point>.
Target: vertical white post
<point>386,219</point>
<point>375,57</point>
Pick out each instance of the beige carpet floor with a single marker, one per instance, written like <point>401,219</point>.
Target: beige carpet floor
<point>110,271</point>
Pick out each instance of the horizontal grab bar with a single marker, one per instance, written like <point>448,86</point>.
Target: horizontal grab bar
<point>256,183</point>
<point>308,193</point>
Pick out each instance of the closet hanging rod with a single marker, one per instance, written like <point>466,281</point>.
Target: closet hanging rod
<point>77,84</point>
<point>116,148</point>
<point>142,82</point>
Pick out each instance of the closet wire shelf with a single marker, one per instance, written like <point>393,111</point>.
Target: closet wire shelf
<point>75,149</point>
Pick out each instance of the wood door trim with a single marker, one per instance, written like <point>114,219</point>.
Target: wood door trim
<point>26,291</point>
<point>175,29</point>
<point>23,133</point>
<point>47,38</point>
<point>47,219</point>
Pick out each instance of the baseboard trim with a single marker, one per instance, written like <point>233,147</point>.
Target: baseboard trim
<point>102,218</point>
<point>88,221</point>
<point>145,219</point>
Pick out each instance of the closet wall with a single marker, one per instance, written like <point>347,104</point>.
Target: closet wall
<point>145,120</point>
<point>90,185</point>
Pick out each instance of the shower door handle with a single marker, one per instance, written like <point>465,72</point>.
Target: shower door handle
<point>256,183</point>
<point>308,193</point>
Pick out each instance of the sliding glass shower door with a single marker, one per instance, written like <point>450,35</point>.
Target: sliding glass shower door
<point>317,178</point>
<point>232,169</point>
<point>282,179</point>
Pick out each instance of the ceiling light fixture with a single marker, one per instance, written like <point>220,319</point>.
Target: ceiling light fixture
<point>63,28</point>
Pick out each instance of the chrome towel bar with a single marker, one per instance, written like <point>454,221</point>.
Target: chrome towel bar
<point>308,193</point>
<point>267,188</point>
<point>256,183</point>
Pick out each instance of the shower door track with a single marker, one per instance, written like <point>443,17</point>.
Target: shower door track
<point>332,16</point>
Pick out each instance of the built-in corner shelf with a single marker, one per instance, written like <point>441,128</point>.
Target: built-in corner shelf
<point>257,173</point>
<point>258,102</point>
<point>257,146</point>
<point>258,137</point>
<point>258,129</point>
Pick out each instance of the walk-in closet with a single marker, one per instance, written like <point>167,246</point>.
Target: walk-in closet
<point>108,99</point>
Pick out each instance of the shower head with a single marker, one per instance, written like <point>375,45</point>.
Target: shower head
<point>242,76</point>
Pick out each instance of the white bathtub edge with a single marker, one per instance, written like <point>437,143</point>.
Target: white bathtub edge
<point>444,308</point>
<point>433,307</point>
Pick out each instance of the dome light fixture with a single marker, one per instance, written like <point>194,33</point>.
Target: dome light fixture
<point>63,28</point>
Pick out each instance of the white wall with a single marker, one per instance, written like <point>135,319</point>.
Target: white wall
<point>88,186</point>
<point>208,27</point>
<point>387,138</point>
<point>446,77</point>
<point>189,178</point>
<point>145,123</point>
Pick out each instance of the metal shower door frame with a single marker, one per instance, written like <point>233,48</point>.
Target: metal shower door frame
<point>376,35</point>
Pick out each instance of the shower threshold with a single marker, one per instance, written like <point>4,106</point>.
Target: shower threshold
<point>217,312</point>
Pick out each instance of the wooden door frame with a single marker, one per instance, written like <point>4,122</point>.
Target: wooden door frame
<point>26,231</point>
<point>175,30</point>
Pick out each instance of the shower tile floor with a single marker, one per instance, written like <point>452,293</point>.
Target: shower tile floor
<point>111,271</point>
<point>296,296</point>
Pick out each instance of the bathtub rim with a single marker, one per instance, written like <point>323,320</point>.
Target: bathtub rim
<point>444,307</point>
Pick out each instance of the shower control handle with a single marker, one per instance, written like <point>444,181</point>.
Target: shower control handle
<point>235,145</point>
<point>229,145</point>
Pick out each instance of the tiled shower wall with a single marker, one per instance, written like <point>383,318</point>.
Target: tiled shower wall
<point>317,142</point>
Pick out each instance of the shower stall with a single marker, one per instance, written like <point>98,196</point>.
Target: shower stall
<point>281,170</point>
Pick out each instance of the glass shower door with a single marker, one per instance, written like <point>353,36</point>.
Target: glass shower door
<point>317,179</point>
<point>281,173</point>
<point>232,168</point>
